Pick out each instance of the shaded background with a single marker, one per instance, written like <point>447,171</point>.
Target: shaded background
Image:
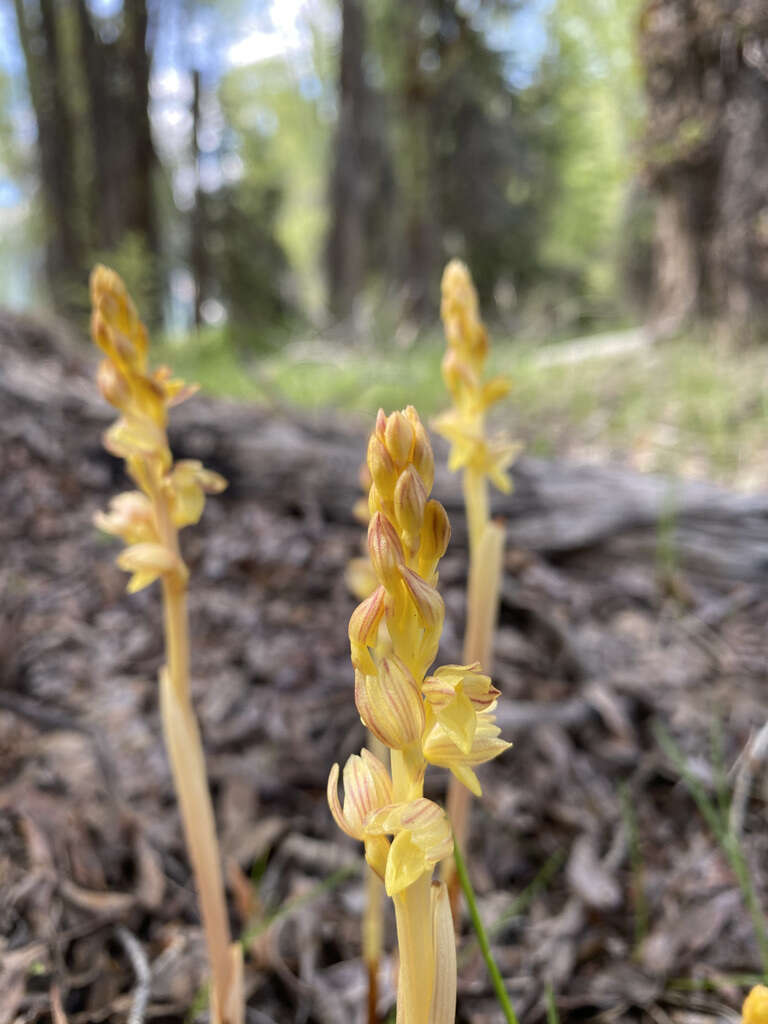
<point>251,164</point>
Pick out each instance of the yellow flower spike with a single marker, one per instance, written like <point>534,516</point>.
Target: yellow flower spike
<point>463,366</point>
<point>482,460</point>
<point>120,331</point>
<point>755,1008</point>
<point>148,520</point>
<point>394,637</point>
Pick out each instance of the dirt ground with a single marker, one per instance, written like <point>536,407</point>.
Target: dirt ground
<point>595,870</point>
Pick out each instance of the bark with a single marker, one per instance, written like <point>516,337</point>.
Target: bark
<point>420,264</point>
<point>350,182</point>
<point>299,465</point>
<point>64,242</point>
<point>117,74</point>
<point>706,81</point>
<point>198,256</point>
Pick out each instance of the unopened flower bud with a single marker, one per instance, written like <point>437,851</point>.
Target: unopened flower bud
<point>410,499</point>
<point>382,467</point>
<point>390,704</point>
<point>398,438</point>
<point>429,605</point>
<point>113,385</point>
<point>422,456</point>
<point>385,549</point>
<point>435,534</point>
<point>380,428</point>
<point>364,628</point>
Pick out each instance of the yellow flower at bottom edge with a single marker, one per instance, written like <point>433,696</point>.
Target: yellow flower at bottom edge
<point>755,1008</point>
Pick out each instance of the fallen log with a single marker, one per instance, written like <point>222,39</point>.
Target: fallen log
<point>307,465</point>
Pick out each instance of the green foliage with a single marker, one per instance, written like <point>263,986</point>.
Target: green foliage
<point>588,96</point>
<point>716,812</point>
<point>283,143</point>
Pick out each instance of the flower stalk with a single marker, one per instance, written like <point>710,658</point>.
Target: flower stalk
<point>169,496</point>
<point>482,460</point>
<point>446,718</point>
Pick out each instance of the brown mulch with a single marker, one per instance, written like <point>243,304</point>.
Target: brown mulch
<point>591,861</point>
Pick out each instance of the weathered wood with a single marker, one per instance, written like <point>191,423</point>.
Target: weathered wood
<point>307,465</point>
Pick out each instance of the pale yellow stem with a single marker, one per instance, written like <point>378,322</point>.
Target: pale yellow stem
<point>475,487</point>
<point>483,597</point>
<point>185,751</point>
<point>413,914</point>
<point>485,564</point>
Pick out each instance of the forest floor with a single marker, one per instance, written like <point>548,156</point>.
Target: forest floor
<point>687,406</point>
<point>600,878</point>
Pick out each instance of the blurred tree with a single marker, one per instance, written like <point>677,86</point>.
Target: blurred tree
<point>40,35</point>
<point>351,182</point>
<point>88,77</point>
<point>278,139</point>
<point>443,138</point>
<point>586,101</point>
<point>116,64</point>
<point>706,152</point>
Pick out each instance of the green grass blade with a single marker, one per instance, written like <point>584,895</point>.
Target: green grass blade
<point>482,937</point>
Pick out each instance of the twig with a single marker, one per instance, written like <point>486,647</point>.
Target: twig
<point>57,1010</point>
<point>482,937</point>
<point>143,973</point>
<point>752,757</point>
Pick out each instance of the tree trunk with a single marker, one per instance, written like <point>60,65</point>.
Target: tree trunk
<point>117,74</point>
<point>350,187</point>
<point>197,251</point>
<point>420,264</point>
<point>64,242</point>
<point>706,80</point>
